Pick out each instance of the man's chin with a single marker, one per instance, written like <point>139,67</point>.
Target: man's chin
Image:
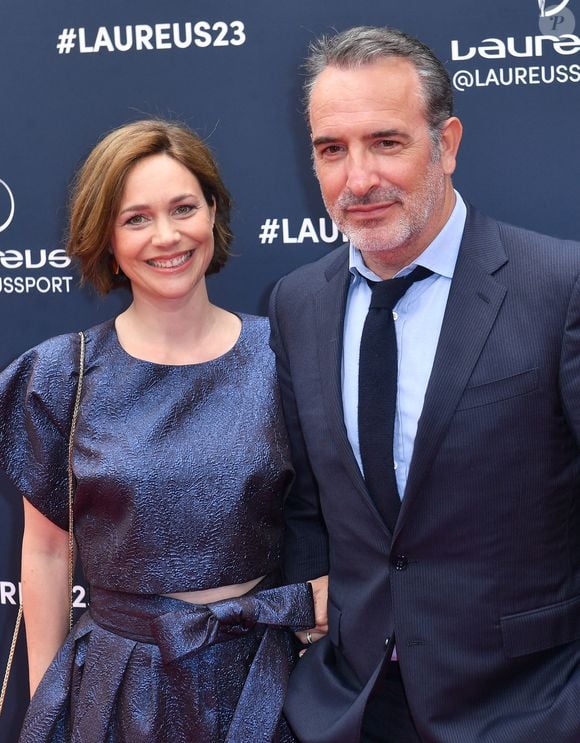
<point>371,237</point>
<point>372,243</point>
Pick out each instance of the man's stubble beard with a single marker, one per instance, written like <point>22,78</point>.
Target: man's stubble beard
<point>416,210</point>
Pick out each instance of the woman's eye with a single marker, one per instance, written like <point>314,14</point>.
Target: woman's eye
<point>184,209</point>
<point>136,219</point>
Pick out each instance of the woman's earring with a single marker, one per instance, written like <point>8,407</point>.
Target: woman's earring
<point>115,267</point>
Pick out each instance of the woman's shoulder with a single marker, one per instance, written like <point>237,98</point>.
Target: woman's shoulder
<point>256,331</point>
<point>48,361</point>
<point>50,369</point>
<point>255,323</point>
<point>60,351</point>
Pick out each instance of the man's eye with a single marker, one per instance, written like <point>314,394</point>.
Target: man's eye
<point>387,144</point>
<point>331,149</point>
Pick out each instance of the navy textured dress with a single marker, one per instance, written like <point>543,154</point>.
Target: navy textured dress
<point>181,474</point>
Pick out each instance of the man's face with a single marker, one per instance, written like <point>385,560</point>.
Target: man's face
<point>383,180</point>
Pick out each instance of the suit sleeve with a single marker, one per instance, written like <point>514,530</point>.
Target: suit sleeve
<point>306,538</point>
<point>570,363</point>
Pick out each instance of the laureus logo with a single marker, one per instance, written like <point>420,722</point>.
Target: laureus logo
<point>551,9</point>
<point>3,203</point>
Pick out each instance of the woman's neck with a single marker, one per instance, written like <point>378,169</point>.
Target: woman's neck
<point>176,333</point>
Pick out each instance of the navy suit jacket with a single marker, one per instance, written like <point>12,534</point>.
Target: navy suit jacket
<point>480,581</point>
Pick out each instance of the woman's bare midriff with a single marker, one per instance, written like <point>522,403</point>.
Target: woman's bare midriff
<point>210,595</point>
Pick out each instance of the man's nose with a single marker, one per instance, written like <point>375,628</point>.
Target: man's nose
<point>362,175</point>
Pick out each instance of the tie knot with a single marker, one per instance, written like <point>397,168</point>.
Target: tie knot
<point>386,294</point>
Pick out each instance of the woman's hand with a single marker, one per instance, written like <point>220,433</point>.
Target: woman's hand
<point>320,598</point>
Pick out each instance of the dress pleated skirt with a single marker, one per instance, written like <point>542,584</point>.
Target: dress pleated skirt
<point>149,669</point>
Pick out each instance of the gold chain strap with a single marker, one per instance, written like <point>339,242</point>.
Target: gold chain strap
<point>10,657</point>
<point>70,526</point>
<point>71,536</point>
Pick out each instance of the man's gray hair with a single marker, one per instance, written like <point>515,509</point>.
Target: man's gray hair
<point>362,45</point>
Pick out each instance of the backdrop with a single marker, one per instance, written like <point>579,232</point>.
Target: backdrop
<point>70,70</point>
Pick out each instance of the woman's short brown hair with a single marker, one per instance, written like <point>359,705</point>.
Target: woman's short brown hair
<point>99,185</point>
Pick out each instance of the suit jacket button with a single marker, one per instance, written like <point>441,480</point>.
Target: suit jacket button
<point>401,562</point>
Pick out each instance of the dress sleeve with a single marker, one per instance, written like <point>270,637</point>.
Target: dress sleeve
<point>36,401</point>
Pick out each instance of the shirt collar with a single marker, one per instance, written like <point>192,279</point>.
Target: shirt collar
<point>439,256</point>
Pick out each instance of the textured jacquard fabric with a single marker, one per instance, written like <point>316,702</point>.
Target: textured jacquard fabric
<point>181,474</point>
<point>129,673</point>
<point>181,470</point>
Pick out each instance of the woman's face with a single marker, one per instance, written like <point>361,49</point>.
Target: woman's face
<point>163,232</point>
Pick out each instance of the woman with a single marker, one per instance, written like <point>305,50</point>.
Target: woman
<point>180,464</point>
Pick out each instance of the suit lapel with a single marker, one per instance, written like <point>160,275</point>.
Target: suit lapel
<point>474,301</point>
<point>330,305</point>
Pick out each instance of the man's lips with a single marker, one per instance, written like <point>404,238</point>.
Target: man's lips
<point>369,210</point>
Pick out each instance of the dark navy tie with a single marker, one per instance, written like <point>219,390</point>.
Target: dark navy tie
<point>377,392</point>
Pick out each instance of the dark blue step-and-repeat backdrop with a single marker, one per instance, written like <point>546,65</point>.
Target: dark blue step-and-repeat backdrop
<point>70,70</point>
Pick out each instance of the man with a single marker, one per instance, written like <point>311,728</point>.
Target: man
<point>455,619</point>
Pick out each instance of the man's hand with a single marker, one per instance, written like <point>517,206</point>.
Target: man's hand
<point>320,597</point>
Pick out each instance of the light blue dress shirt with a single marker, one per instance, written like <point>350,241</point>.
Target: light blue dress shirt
<point>418,317</point>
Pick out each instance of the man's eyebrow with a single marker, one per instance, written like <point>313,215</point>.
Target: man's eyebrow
<point>386,134</point>
<point>380,134</point>
<point>323,140</point>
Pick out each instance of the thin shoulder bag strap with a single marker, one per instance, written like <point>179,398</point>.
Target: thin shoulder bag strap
<point>10,657</point>
<point>71,483</point>
<point>10,660</point>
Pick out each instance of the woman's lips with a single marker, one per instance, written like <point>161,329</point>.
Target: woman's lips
<point>171,261</point>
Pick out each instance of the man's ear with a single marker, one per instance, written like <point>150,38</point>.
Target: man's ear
<point>451,133</point>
